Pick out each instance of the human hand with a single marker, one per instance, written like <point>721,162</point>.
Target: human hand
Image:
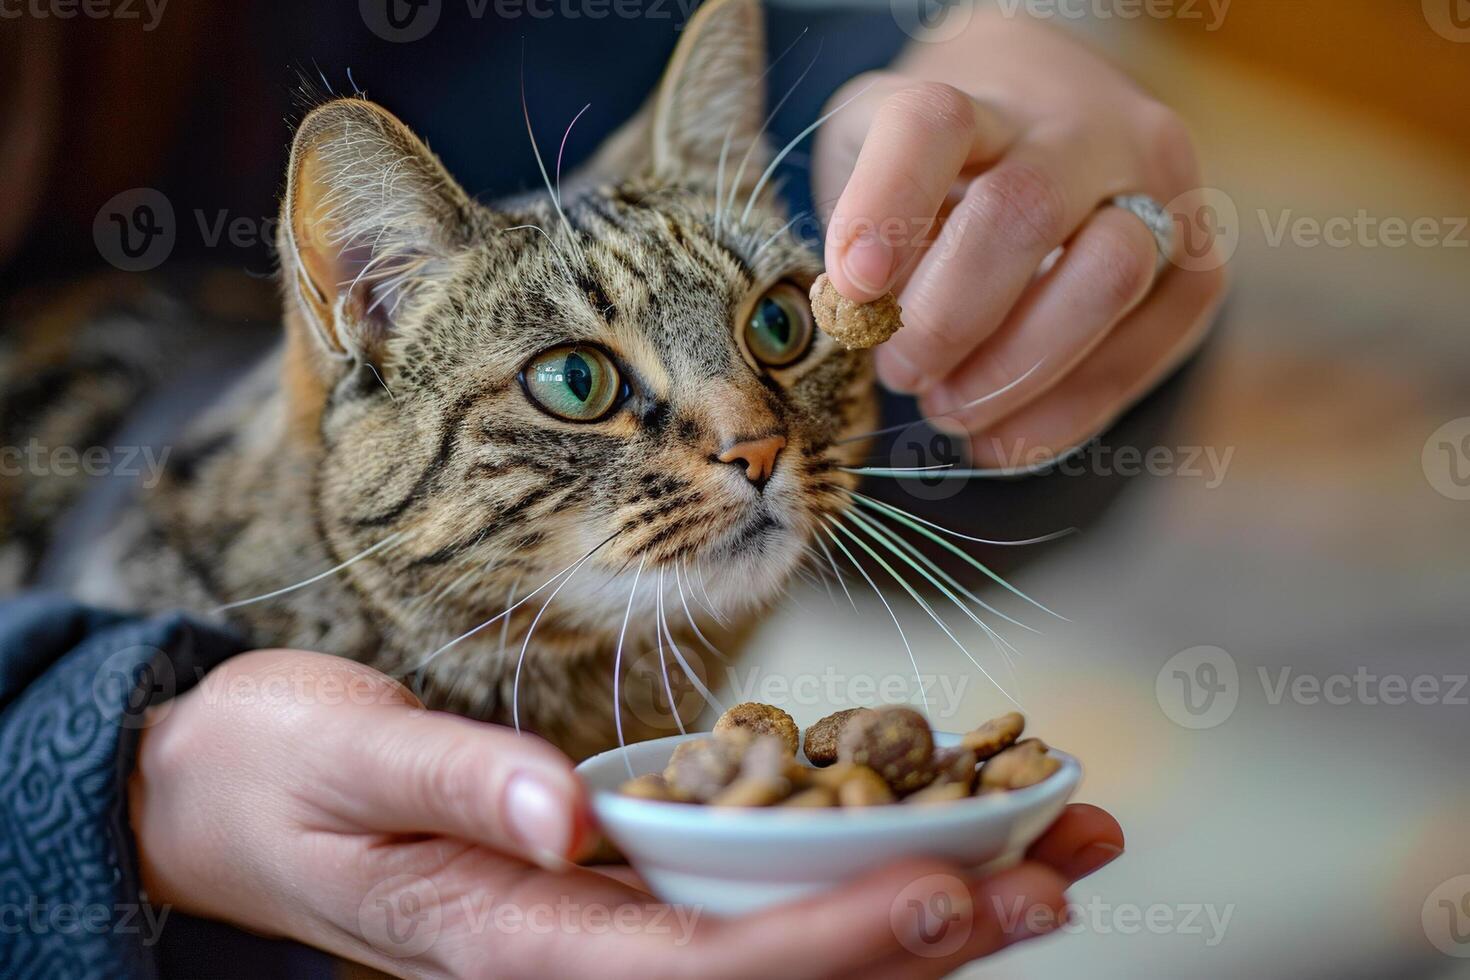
<point>302,795</point>
<point>955,175</point>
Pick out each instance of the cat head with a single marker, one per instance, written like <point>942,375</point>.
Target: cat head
<point>627,368</point>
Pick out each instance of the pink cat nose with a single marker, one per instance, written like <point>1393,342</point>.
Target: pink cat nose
<point>758,455</point>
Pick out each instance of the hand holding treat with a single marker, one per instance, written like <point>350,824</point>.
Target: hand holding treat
<point>856,326</point>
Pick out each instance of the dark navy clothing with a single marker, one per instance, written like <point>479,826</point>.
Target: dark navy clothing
<point>75,684</point>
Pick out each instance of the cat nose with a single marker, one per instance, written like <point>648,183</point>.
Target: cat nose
<point>757,455</point>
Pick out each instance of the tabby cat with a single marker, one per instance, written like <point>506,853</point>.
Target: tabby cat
<point>617,383</point>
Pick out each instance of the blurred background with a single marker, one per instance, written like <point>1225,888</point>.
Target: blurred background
<point>1264,659</point>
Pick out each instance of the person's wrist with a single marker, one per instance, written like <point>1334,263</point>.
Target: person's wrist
<point>178,865</point>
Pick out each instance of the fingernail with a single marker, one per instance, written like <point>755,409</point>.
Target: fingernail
<point>868,264</point>
<point>1090,858</point>
<point>539,820</point>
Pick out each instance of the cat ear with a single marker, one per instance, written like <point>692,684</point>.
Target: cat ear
<point>712,91</point>
<point>371,220</point>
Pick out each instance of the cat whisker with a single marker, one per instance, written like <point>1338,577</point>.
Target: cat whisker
<point>776,160</point>
<point>917,524</point>
<point>950,580</point>
<point>563,148</point>
<point>515,685</point>
<point>708,603</point>
<point>870,470</point>
<point>755,257</point>
<point>730,134</point>
<point>873,504</point>
<point>541,165</point>
<point>913,594</point>
<point>999,642</point>
<point>745,160</point>
<point>836,571</point>
<point>556,249</point>
<point>970,404</point>
<point>663,665</point>
<point>568,571</point>
<point>389,540</point>
<point>692,624</point>
<point>618,667</point>
<point>821,571</point>
<point>893,615</point>
<point>689,672</point>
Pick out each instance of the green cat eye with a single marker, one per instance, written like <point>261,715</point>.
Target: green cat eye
<point>574,382</point>
<point>779,330</point>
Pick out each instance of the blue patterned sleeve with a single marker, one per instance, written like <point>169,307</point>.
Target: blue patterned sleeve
<point>75,684</point>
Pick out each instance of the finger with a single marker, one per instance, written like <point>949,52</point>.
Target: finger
<point>1104,273</point>
<point>1083,839</point>
<point>1010,907</point>
<point>993,242</point>
<point>891,198</point>
<point>430,772</point>
<point>1140,352</point>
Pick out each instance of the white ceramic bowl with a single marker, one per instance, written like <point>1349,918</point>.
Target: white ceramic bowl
<point>730,860</point>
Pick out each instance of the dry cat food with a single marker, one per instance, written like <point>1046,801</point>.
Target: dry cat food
<point>856,326</point>
<point>859,757</point>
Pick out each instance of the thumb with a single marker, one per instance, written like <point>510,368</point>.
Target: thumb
<point>414,771</point>
<point>920,136</point>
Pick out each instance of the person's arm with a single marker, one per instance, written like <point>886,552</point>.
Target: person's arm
<point>74,683</point>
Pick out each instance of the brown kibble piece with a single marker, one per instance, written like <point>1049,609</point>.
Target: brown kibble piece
<point>820,744</point>
<point>760,719</point>
<point>995,735</point>
<point>895,742</point>
<point>817,796</point>
<point>1019,766</point>
<point>955,766</point>
<point>832,776</point>
<point>700,769</point>
<point>856,326</point>
<point>650,786</point>
<point>751,791</point>
<point>864,787</point>
<point>938,793</point>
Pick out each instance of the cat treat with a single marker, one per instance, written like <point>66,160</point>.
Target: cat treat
<point>856,326</point>
<point>760,719</point>
<point>858,757</point>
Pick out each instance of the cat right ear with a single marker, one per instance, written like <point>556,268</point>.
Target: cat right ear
<point>371,220</point>
<point>712,97</point>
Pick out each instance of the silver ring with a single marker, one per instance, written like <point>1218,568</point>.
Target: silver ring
<point>1158,220</point>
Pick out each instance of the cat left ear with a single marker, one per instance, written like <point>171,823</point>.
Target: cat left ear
<point>713,92</point>
<point>370,220</point>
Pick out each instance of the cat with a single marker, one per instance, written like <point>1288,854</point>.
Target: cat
<point>618,383</point>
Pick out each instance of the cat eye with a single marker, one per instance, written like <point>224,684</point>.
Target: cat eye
<point>779,330</point>
<point>574,382</point>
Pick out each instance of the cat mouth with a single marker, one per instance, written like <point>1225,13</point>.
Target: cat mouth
<point>753,534</point>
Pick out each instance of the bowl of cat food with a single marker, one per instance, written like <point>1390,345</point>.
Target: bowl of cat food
<point>757,813</point>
